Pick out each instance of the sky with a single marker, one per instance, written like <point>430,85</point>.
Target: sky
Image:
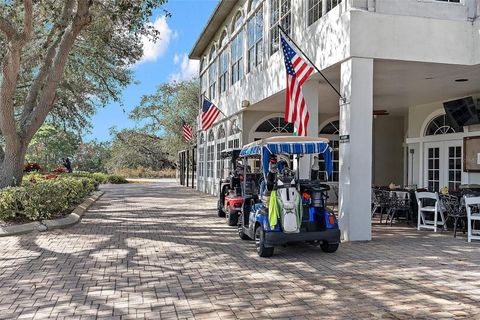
<point>163,61</point>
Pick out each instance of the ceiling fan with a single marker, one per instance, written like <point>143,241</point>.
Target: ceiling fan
<point>380,113</point>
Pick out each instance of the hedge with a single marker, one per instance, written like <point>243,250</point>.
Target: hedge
<point>38,199</point>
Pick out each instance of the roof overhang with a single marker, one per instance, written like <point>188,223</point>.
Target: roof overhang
<point>215,22</point>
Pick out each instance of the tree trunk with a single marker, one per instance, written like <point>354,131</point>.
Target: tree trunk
<point>13,164</point>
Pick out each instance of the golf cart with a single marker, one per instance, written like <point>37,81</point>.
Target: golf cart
<point>230,197</point>
<point>288,209</point>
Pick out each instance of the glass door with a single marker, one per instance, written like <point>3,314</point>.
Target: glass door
<point>443,165</point>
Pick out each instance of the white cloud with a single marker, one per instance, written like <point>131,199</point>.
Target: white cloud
<point>152,50</point>
<point>188,68</point>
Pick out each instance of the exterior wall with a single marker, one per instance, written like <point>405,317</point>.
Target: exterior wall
<point>405,30</point>
<point>418,118</point>
<point>388,153</point>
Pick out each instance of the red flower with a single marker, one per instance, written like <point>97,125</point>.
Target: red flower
<point>50,176</point>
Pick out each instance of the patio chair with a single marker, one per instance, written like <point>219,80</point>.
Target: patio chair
<point>454,210</point>
<point>399,202</point>
<point>428,204</point>
<point>380,200</point>
<point>472,216</point>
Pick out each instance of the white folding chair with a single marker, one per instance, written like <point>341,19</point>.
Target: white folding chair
<point>473,234</point>
<point>424,211</point>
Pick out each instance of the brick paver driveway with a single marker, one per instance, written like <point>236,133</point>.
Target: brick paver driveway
<point>158,251</point>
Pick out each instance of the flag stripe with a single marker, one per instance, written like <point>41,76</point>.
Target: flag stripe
<point>209,114</point>
<point>298,71</point>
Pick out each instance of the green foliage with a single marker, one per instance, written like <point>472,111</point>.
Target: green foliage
<point>112,178</point>
<point>50,144</point>
<point>43,198</point>
<point>101,178</point>
<point>163,113</point>
<point>132,149</point>
<point>92,156</point>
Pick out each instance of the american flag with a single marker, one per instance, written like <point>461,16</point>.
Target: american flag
<point>298,72</point>
<point>209,114</point>
<point>187,132</point>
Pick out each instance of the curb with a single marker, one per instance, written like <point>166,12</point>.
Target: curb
<point>45,225</point>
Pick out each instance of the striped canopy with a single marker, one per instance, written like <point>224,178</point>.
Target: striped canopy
<point>288,145</point>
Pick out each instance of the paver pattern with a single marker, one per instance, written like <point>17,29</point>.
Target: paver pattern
<point>158,251</point>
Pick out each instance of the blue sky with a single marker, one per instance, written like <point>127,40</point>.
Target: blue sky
<point>162,62</point>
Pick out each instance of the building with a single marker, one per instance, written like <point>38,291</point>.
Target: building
<point>394,61</point>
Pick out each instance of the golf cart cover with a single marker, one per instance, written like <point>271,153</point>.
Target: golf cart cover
<point>289,145</point>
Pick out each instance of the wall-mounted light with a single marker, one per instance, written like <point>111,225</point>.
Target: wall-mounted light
<point>245,103</point>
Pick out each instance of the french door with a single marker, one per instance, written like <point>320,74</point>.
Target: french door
<point>443,165</point>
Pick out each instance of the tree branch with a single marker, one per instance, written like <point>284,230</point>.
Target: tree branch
<point>45,103</point>
<point>7,28</point>
<point>47,63</point>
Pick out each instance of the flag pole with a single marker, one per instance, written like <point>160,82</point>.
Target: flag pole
<point>310,61</point>
<point>228,118</point>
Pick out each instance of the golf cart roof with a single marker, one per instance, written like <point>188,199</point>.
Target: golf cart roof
<point>286,145</point>
<point>230,153</point>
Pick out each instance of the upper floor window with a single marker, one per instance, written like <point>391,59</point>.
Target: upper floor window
<point>332,4</point>
<point>237,21</point>
<point>223,71</point>
<point>252,5</point>
<point>237,57</point>
<point>223,39</point>
<point>255,39</point>
<point>280,14</point>
<point>212,75</point>
<point>314,11</point>
<point>441,125</point>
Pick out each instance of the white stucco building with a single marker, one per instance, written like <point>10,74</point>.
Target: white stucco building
<point>404,57</point>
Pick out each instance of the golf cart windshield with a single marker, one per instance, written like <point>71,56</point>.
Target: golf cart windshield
<point>265,148</point>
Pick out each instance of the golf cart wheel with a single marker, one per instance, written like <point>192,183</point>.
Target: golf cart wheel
<point>220,212</point>
<point>329,248</point>
<point>232,218</point>
<point>262,251</point>
<point>242,234</point>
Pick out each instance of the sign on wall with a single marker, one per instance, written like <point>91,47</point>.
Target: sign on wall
<point>471,154</point>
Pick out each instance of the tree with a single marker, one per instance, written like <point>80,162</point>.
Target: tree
<point>50,144</point>
<point>132,149</point>
<point>62,59</point>
<point>163,112</point>
<point>92,156</point>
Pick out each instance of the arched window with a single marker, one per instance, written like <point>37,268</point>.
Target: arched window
<point>201,154</point>
<point>331,130</point>
<point>223,75</point>
<point>332,127</point>
<point>212,74</point>
<point>441,125</point>
<point>220,147</point>
<point>237,21</point>
<point>223,39</point>
<point>276,124</point>
<point>252,5</point>
<point>210,153</point>
<point>255,40</point>
<point>234,135</point>
<point>237,49</point>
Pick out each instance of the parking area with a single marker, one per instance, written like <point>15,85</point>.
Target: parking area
<point>158,251</point>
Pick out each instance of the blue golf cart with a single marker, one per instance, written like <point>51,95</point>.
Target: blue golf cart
<point>278,206</point>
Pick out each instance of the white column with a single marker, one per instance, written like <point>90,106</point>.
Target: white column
<point>356,154</point>
<point>310,94</point>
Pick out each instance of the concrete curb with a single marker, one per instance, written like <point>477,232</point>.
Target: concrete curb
<point>45,225</point>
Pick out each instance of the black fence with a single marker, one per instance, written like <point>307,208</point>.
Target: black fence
<point>187,167</point>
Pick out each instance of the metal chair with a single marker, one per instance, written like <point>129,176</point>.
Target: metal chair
<point>454,210</point>
<point>472,216</point>
<point>380,200</point>
<point>425,209</point>
<point>398,204</point>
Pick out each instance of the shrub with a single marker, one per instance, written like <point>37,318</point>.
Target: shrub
<point>115,179</point>
<point>44,197</point>
<point>11,202</point>
<point>142,172</point>
<point>32,166</point>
